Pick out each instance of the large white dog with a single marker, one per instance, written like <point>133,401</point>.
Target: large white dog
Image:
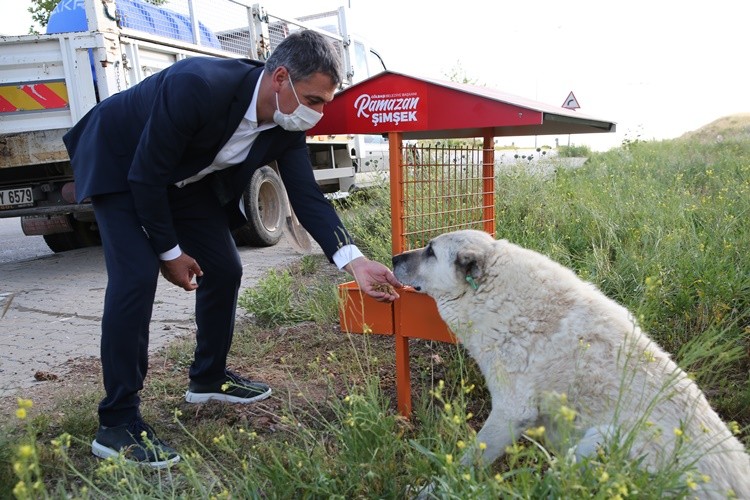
<point>538,332</point>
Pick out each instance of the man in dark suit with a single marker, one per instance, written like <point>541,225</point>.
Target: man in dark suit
<point>165,164</point>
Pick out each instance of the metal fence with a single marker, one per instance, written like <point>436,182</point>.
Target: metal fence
<point>227,25</point>
<point>443,189</point>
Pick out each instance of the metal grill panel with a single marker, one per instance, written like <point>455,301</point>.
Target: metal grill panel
<point>443,189</point>
<point>222,24</point>
<point>279,28</point>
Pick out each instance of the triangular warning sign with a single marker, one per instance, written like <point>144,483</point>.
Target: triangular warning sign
<point>571,102</point>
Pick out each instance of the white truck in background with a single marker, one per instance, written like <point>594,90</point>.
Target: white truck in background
<point>95,48</point>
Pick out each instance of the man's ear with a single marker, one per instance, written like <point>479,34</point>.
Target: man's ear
<point>278,76</point>
<point>470,263</point>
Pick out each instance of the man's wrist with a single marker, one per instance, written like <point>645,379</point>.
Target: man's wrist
<point>171,254</point>
<point>345,255</point>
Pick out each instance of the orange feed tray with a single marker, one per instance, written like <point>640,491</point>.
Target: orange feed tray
<point>360,313</point>
<point>415,315</point>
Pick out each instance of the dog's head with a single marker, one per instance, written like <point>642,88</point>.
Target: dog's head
<point>450,265</point>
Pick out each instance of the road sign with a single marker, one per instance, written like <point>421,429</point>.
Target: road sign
<point>571,102</point>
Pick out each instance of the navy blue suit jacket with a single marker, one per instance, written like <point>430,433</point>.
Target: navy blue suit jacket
<point>171,126</point>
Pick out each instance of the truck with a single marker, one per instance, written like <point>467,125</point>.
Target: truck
<point>95,48</point>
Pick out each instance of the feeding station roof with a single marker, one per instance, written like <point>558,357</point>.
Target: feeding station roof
<point>409,107</point>
<point>423,108</point>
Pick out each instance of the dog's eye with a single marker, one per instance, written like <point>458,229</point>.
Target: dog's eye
<point>428,251</point>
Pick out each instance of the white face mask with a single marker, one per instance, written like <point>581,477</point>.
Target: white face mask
<point>302,118</point>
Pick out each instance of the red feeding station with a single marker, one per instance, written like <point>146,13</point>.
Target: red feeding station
<point>433,189</point>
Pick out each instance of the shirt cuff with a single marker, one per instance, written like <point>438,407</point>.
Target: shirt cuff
<point>345,255</point>
<point>171,254</point>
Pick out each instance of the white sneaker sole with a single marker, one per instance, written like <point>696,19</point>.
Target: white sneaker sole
<point>196,397</point>
<point>105,452</point>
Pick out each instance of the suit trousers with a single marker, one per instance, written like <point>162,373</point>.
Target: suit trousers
<point>132,273</point>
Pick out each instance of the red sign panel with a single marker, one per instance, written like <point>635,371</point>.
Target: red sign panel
<point>391,102</point>
<point>387,109</point>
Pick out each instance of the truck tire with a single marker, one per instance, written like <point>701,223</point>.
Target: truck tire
<point>266,209</point>
<point>60,242</point>
<point>82,236</point>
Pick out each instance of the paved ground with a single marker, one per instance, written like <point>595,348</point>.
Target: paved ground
<point>50,309</point>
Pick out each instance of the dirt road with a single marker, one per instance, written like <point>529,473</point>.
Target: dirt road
<point>50,309</point>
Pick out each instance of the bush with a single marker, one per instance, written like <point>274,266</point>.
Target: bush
<point>573,151</point>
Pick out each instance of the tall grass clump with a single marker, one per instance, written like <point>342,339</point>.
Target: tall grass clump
<point>368,218</point>
<point>661,227</point>
<point>284,297</point>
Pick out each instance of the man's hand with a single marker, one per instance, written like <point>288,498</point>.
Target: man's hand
<point>181,271</point>
<point>374,279</point>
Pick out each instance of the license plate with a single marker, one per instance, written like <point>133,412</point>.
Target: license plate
<point>16,198</point>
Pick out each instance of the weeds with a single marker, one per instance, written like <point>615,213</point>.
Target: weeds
<point>284,298</point>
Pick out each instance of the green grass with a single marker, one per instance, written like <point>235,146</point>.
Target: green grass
<point>661,227</point>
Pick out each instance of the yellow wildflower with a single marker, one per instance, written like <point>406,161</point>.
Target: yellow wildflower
<point>536,432</point>
<point>25,451</point>
<point>567,413</point>
<point>25,403</point>
<point>20,490</point>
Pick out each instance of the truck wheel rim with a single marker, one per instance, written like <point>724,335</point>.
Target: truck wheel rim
<point>269,206</point>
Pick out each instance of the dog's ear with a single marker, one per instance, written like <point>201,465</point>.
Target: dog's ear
<point>470,263</point>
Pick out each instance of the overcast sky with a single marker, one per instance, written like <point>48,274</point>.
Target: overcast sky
<point>658,68</point>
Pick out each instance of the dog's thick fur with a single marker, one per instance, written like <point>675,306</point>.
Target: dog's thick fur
<point>536,330</point>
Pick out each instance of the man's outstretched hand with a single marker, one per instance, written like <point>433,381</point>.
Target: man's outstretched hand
<point>375,279</point>
<point>181,271</point>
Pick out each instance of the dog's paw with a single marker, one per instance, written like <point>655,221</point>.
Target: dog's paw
<point>423,492</point>
<point>593,439</point>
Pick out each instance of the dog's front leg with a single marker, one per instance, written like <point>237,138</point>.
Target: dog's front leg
<point>498,432</point>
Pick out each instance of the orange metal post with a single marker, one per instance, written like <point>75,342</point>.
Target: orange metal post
<point>395,143</point>
<point>398,245</point>
<point>488,183</point>
<point>403,371</point>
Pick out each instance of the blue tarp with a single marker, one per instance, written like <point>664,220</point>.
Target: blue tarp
<point>70,15</point>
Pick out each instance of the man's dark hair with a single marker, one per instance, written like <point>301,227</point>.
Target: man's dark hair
<point>304,53</point>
